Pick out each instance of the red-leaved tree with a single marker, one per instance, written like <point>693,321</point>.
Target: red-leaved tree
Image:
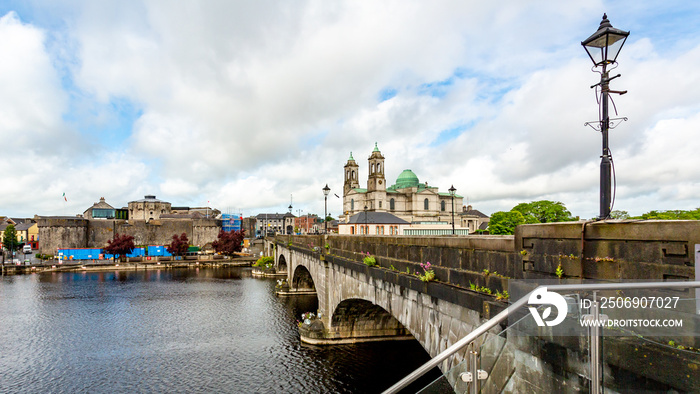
<point>229,242</point>
<point>120,246</point>
<point>179,245</point>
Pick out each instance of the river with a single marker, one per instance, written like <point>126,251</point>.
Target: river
<point>180,330</point>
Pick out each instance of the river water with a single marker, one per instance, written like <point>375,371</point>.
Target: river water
<point>185,330</point>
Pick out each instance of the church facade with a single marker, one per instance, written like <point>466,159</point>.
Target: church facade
<point>408,198</point>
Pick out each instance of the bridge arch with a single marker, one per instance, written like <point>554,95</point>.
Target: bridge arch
<point>302,279</point>
<point>281,264</point>
<point>360,318</point>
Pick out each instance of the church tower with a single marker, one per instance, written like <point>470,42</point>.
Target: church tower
<point>376,181</point>
<point>351,176</point>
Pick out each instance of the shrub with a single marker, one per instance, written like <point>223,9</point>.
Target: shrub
<point>265,262</point>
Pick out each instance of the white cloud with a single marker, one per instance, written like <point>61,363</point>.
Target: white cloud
<point>244,104</point>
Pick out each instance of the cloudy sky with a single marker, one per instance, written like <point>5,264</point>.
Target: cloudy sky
<point>246,105</point>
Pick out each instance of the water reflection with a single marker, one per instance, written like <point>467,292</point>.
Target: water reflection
<point>184,330</point>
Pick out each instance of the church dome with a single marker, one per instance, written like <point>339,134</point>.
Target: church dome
<point>406,179</point>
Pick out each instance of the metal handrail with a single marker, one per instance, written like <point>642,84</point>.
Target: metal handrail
<point>482,329</point>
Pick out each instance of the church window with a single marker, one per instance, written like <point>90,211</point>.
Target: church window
<point>372,168</point>
<point>379,167</point>
<point>353,175</point>
<point>352,204</point>
<point>442,206</point>
<point>380,204</point>
<point>392,204</point>
<point>425,204</point>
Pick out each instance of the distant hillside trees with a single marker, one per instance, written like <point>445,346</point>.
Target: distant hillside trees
<point>543,211</point>
<point>120,246</point>
<point>179,245</point>
<point>229,242</point>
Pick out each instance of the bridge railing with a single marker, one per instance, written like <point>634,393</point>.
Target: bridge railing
<point>469,372</point>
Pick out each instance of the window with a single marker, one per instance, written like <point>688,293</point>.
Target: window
<point>425,204</point>
<point>379,167</point>
<point>352,204</point>
<point>372,168</point>
<point>392,204</point>
<point>353,174</point>
<point>380,204</point>
<point>352,230</point>
<point>442,206</point>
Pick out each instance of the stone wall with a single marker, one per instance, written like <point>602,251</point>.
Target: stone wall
<point>61,231</point>
<point>57,233</point>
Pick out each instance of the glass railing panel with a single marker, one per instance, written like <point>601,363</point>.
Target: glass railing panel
<point>651,348</point>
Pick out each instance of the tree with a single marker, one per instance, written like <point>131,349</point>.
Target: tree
<point>179,245</point>
<point>329,218</point>
<point>616,214</point>
<point>505,222</point>
<point>229,242</point>
<point>9,238</point>
<point>676,214</point>
<point>120,246</point>
<point>544,211</point>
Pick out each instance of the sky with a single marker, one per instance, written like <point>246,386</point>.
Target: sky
<point>248,107</point>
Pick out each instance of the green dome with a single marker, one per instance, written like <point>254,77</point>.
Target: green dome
<point>406,179</point>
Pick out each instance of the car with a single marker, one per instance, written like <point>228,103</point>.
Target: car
<point>27,249</point>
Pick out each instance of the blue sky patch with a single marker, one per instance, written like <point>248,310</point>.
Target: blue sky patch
<point>387,94</point>
<point>450,134</point>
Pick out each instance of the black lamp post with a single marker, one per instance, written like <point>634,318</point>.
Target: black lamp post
<point>452,191</point>
<point>366,227</point>
<point>326,190</point>
<point>603,47</point>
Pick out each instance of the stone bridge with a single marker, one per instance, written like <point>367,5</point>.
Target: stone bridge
<point>357,302</point>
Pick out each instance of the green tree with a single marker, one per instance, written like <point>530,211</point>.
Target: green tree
<point>676,214</point>
<point>544,211</point>
<point>9,238</point>
<point>505,222</point>
<point>619,214</point>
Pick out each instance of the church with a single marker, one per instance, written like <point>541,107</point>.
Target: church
<point>407,199</point>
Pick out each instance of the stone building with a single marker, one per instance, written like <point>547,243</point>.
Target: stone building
<point>149,208</point>
<point>274,223</point>
<point>408,198</point>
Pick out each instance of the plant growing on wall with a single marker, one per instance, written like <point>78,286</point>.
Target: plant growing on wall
<point>559,271</point>
<point>369,260</point>
<point>428,273</point>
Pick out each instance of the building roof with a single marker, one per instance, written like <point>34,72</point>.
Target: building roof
<point>18,226</point>
<point>473,212</point>
<point>101,204</point>
<point>273,216</point>
<point>375,218</point>
<point>406,179</point>
<point>190,215</point>
<point>149,198</point>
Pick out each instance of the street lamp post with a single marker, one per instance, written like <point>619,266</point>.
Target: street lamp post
<point>452,191</point>
<point>603,47</point>
<point>326,190</point>
<point>366,227</point>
